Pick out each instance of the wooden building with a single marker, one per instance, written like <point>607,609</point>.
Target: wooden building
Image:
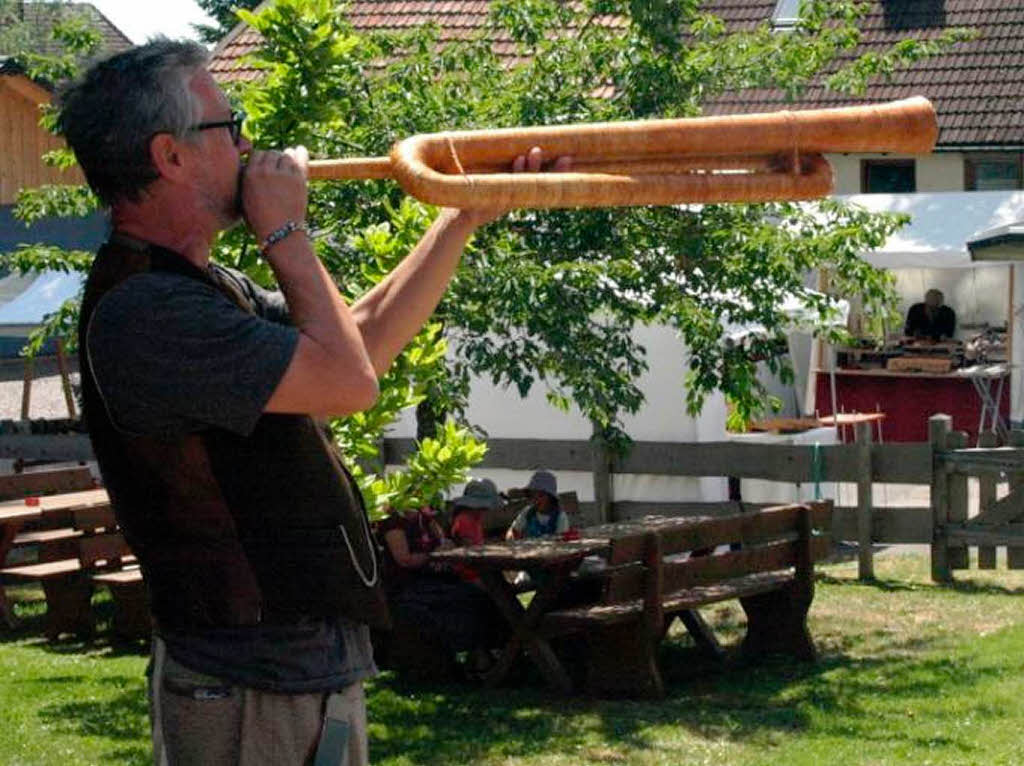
<point>22,141</point>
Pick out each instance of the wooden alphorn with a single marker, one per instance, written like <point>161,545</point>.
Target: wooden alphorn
<point>742,158</point>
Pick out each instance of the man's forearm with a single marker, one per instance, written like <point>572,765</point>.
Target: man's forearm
<point>391,314</point>
<point>315,306</point>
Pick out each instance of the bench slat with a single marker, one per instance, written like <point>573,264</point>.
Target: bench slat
<point>120,577</point>
<point>109,547</point>
<point>567,620</point>
<point>49,482</point>
<point>627,583</point>
<point>749,528</point>
<point>94,517</point>
<point>42,571</point>
<point>44,536</point>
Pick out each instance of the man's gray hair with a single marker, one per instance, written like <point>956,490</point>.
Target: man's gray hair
<point>110,114</point>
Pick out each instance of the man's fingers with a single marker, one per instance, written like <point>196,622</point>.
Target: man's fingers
<point>534,159</point>
<point>563,164</point>
<point>519,164</point>
<point>299,156</point>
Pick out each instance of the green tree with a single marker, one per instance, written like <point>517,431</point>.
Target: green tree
<point>552,297</point>
<point>222,12</point>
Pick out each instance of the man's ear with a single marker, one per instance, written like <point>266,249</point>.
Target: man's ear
<point>166,155</point>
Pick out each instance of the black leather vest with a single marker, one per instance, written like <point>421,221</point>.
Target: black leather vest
<point>231,530</point>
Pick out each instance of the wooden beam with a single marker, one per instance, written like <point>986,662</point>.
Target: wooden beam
<point>982,460</point>
<point>601,472</point>
<point>893,463</point>
<point>893,525</point>
<point>957,514</point>
<point>1003,534</point>
<point>987,493</point>
<point>939,427</point>
<point>862,440</point>
<point>1009,508</point>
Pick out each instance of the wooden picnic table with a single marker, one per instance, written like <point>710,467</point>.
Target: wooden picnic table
<point>556,559</point>
<point>14,513</point>
<point>551,562</point>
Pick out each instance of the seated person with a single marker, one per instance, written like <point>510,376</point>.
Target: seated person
<point>543,516</point>
<point>931,319</point>
<point>467,519</point>
<point>430,599</point>
<point>468,510</point>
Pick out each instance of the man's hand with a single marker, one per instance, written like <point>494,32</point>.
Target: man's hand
<point>531,162</point>
<point>274,189</point>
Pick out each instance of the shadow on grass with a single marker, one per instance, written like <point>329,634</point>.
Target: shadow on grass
<point>30,609</point>
<point>970,587</point>
<point>837,697</point>
<point>434,724</point>
<point>117,720</point>
<point>120,719</point>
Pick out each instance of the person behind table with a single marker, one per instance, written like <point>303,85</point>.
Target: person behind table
<point>202,393</point>
<point>931,319</point>
<point>479,496</point>
<point>433,599</point>
<point>543,516</point>
<point>467,527</point>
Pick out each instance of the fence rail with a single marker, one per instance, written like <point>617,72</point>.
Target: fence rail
<point>944,464</point>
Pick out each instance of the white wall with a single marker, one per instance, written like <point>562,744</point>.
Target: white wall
<point>934,172</point>
<point>503,414</point>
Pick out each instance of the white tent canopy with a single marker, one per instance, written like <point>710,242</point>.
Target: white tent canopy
<point>43,295</point>
<point>941,223</point>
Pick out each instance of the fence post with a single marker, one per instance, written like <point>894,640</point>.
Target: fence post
<point>939,427</point>
<point>601,461</point>
<point>1015,555</point>
<point>986,497</point>
<point>865,562</point>
<point>957,488</point>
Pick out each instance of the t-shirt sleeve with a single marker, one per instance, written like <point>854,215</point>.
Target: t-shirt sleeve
<point>173,355</point>
<point>519,522</point>
<point>269,304</point>
<point>562,525</point>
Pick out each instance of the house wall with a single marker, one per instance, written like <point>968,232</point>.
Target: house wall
<point>23,141</point>
<point>935,172</point>
<point>502,413</point>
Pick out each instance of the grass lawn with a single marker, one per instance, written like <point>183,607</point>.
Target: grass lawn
<point>910,673</point>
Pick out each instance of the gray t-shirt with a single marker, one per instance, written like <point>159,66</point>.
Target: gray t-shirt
<point>172,355</point>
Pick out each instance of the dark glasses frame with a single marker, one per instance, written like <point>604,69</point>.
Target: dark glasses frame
<point>234,125</point>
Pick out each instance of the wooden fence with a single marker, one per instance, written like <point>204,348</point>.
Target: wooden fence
<point>943,464</point>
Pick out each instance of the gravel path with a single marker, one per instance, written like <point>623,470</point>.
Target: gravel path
<point>47,394</point>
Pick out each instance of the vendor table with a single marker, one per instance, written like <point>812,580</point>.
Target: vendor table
<point>14,513</point>
<point>908,399</point>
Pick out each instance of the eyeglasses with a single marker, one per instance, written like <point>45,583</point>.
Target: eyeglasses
<point>234,125</point>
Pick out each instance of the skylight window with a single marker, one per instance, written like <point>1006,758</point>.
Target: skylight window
<point>786,14</point>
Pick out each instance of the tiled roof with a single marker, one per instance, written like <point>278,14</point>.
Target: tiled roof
<point>455,19</point>
<point>977,88</point>
<point>44,15</point>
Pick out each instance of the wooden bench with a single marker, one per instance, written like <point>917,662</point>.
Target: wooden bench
<point>653,577</point>
<point>53,537</point>
<point>132,619</point>
<point>67,583</point>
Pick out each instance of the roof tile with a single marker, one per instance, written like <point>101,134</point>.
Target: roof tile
<point>976,87</point>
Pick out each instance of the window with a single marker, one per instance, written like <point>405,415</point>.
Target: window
<point>786,14</point>
<point>887,176</point>
<point>992,171</point>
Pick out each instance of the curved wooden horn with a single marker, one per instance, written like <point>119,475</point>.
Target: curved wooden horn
<point>744,158</point>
